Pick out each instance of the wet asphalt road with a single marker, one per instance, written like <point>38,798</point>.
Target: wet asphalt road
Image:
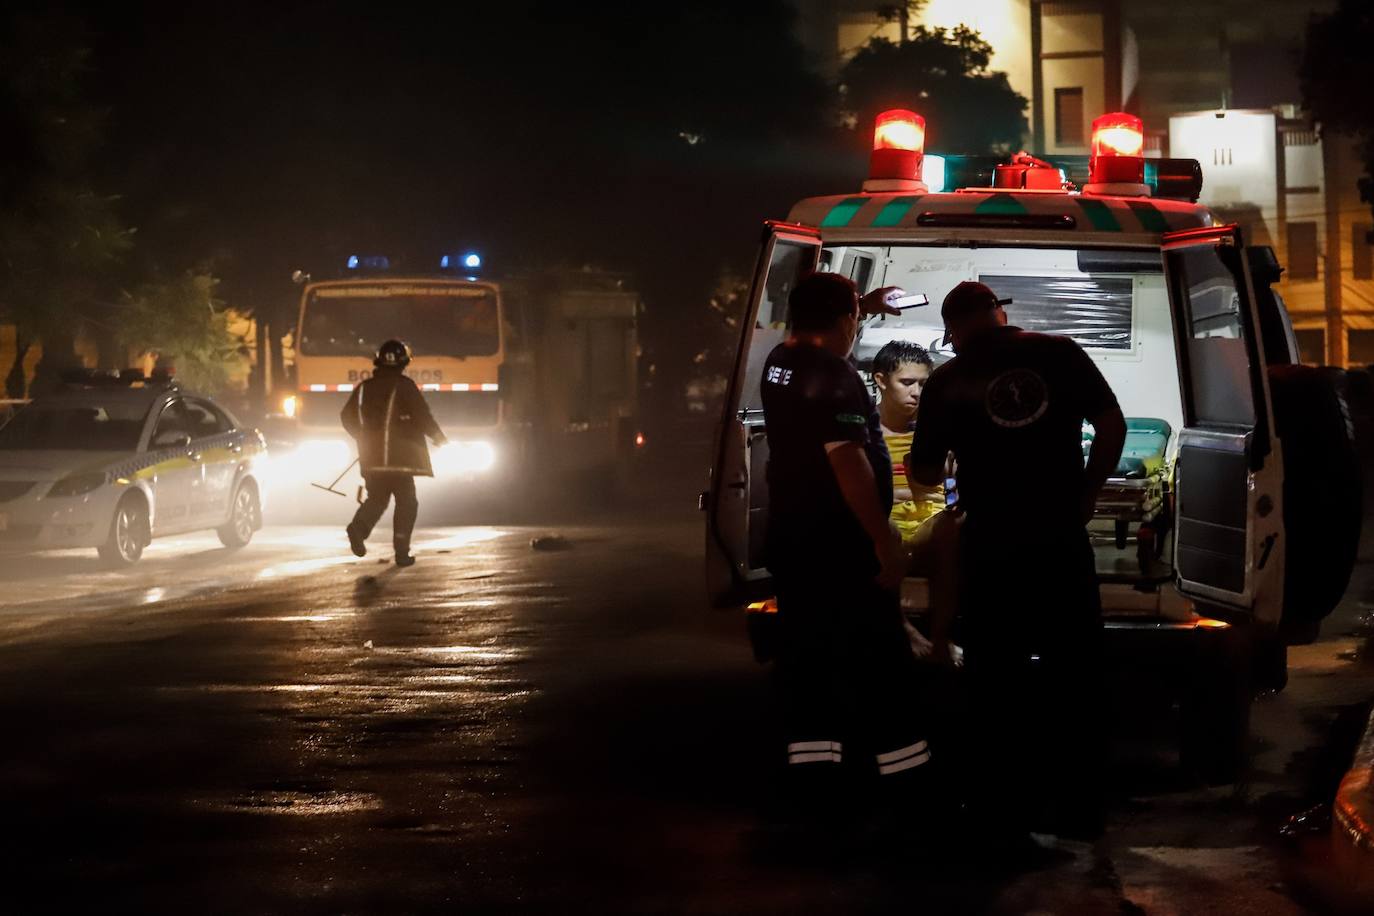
<point>288,729</point>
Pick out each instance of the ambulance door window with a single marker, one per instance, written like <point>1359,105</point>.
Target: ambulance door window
<point>1217,355</point>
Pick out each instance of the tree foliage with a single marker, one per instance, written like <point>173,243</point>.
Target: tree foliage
<point>60,239</point>
<point>66,256</point>
<point>179,318</point>
<point>942,74</point>
<point>1335,74</point>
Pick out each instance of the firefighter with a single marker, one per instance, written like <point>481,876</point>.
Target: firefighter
<point>389,419</point>
<point>844,661</point>
<point>1010,407</point>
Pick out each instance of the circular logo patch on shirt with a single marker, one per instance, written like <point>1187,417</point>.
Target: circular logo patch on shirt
<point>1017,398</point>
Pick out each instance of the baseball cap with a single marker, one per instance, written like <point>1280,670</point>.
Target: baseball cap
<point>968,298</point>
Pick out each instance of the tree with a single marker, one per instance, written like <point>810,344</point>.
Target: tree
<point>59,238</point>
<point>943,75</point>
<point>1335,74</point>
<point>179,318</point>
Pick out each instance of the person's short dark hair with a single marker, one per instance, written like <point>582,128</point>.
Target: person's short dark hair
<point>896,352</point>
<point>819,300</point>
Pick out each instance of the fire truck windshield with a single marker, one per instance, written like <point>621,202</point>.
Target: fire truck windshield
<point>435,320</point>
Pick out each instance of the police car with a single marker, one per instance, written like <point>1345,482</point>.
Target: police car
<point>1229,530</point>
<point>112,462</point>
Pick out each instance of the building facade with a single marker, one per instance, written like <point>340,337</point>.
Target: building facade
<point>1215,81</point>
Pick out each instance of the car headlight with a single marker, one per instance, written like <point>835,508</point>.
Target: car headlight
<point>77,484</point>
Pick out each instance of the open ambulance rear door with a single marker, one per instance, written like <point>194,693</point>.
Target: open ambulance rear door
<point>1228,548</point>
<point>737,501</point>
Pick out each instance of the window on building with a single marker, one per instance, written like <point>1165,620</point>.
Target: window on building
<point>1311,345</point>
<point>1068,117</point>
<point>1302,251</point>
<point>1359,347</point>
<point>1361,252</point>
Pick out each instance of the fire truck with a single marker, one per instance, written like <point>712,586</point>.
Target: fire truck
<point>517,369</point>
<point>1216,546</point>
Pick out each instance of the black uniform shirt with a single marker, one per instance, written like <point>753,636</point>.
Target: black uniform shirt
<point>810,398</point>
<point>1011,408</point>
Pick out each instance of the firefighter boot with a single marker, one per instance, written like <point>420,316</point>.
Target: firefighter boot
<point>403,555</point>
<point>355,541</point>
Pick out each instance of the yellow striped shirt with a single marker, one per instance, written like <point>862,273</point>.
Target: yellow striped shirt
<point>912,503</point>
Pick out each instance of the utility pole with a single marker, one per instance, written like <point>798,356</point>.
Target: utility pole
<point>1331,266</point>
<point>904,21</point>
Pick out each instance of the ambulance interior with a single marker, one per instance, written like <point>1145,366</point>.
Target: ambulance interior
<point>1114,303</point>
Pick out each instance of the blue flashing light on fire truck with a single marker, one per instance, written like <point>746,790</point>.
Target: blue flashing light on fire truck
<point>1213,553</point>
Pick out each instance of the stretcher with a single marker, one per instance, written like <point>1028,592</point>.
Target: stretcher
<point>1137,492</point>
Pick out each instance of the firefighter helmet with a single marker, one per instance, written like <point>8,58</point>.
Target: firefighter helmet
<point>392,353</point>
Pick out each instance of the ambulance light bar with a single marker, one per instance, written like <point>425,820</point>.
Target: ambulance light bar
<point>1025,172</point>
<point>1116,167</point>
<point>368,262</point>
<point>1174,179</point>
<point>900,129</point>
<point>1117,161</point>
<point>899,142</point>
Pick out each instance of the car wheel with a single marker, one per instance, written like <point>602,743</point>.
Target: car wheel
<point>243,518</point>
<point>129,533</point>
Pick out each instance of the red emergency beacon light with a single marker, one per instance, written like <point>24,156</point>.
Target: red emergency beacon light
<point>899,144</point>
<point>1118,150</point>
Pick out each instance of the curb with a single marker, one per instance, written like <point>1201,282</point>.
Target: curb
<point>1352,822</point>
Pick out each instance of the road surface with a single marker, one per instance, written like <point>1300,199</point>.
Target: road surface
<point>288,729</point>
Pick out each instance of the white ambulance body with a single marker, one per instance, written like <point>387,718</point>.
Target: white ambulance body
<point>1177,314</point>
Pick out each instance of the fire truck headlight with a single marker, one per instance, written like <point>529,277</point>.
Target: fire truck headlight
<point>472,457</point>
<point>320,455</point>
<point>288,406</point>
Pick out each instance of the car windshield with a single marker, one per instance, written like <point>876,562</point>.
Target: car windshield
<point>80,426</point>
<point>435,320</point>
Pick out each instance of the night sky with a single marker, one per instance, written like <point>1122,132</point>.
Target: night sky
<point>264,137</point>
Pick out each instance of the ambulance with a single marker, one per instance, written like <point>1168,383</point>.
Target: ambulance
<point>1228,530</point>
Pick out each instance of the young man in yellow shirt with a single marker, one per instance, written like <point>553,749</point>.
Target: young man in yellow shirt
<point>929,530</point>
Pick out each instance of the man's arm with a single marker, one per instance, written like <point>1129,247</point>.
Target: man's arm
<point>1099,407</point>
<point>859,487</point>
<point>1109,436</point>
<point>927,474</point>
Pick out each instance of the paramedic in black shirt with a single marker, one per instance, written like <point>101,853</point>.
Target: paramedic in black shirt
<point>1010,407</point>
<point>844,660</point>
